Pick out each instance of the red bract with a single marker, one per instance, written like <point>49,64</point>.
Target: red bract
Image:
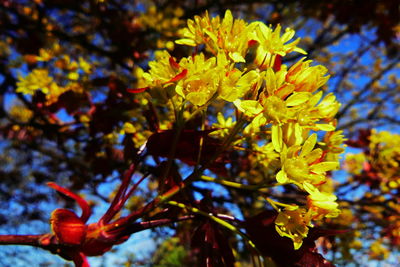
<point>178,77</point>
<point>277,63</point>
<point>73,239</point>
<point>68,227</point>
<point>137,90</point>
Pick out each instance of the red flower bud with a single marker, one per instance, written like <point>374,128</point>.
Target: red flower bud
<point>68,227</point>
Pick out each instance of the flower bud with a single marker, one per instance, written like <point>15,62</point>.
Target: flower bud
<point>68,227</point>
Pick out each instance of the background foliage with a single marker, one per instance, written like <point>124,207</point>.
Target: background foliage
<point>78,126</point>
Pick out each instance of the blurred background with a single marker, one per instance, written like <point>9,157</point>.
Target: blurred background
<point>88,52</point>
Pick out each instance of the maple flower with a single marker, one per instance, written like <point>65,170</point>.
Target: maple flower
<point>303,164</point>
<point>316,110</point>
<point>293,222</point>
<point>333,144</point>
<point>285,101</point>
<point>271,43</point>
<point>162,71</point>
<point>275,83</point>
<point>321,204</point>
<point>234,84</point>
<point>306,78</point>
<point>378,251</point>
<point>198,79</point>
<point>223,125</point>
<point>296,112</point>
<point>229,35</point>
<point>38,79</point>
<point>20,113</point>
<point>385,147</point>
<point>202,80</point>
<point>354,163</point>
<point>168,21</point>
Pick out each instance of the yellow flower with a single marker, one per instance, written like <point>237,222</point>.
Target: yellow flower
<point>294,134</point>
<point>38,79</point>
<point>354,163</point>
<point>271,43</point>
<point>378,251</point>
<point>293,223</point>
<point>279,99</point>
<point>20,113</point>
<point>251,108</point>
<point>45,55</point>
<point>162,70</point>
<point>228,35</point>
<point>333,144</point>
<point>286,101</point>
<point>84,65</point>
<point>198,79</point>
<point>275,83</point>
<point>164,21</point>
<point>201,82</point>
<point>223,125</point>
<point>235,84</point>
<point>321,204</point>
<point>275,109</point>
<point>312,112</point>
<point>306,78</point>
<point>303,164</point>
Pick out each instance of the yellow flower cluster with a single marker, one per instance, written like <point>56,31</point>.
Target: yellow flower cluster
<point>382,161</point>
<point>242,63</point>
<point>37,80</point>
<point>20,113</point>
<point>385,157</point>
<point>378,251</point>
<point>40,79</point>
<point>166,22</point>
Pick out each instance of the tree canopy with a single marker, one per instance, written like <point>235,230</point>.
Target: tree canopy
<point>255,133</point>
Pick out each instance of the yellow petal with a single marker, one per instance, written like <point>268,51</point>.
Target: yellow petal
<point>309,187</point>
<point>281,177</point>
<point>297,244</point>
<point>277,137</point>
<point>245,82</point>
<point>129,128</point>
<point>227,22</point>
<point>325,127</point>
<point>297,98</point>
<point>236,57</point>
<point>185,41</point>
<point>300,50</point>
<point>309,144</point>
<point>322,167</point>
<point>198,98</point>
<point>313,155</point>
<point>299,134</point>
<point>270,81</point>
<point>248,107</point>
<point>289,33</point>
<point>211,34</point>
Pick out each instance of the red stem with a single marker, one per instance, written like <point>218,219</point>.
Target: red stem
<point>114,207</point>
<point>133,188</point>
<point>29,240</point>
